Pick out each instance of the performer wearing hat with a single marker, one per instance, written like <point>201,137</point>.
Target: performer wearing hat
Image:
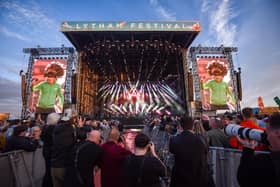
<point>49,91</point>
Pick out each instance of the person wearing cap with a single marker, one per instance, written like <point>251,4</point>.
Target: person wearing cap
<point>49,90</point>
<point>18,141</point>
<point>261,169</point>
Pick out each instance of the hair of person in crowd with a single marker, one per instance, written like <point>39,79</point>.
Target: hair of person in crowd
<point>247,112</point>
<point>18,130</point>
<point>114,135</point>
<point>274,121</point>
<point>94,136</point>
<point>35,129</point>
<point>198,128</point>
<point>53,118</point>
<point>141,140</point>
<point>186,123</point>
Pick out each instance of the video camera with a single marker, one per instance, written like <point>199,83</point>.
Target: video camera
<point>246,133</point>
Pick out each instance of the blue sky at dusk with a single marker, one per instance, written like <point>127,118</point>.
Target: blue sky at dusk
<point>251,25</point>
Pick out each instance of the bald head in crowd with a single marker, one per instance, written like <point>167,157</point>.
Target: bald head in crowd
<point>114,135</point>
<point>215,123</point>
<point>94,136</point>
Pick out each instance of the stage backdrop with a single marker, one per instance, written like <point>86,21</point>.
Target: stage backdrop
<point>42,68</point>
<point>217,91</point>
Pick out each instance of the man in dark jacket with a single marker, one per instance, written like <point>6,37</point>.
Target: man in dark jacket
<point>261,169</point>
<point>18,141</point>
<point>65,135</point>
<point>87,156</point>
<point>190,168</point>
<point>47,138</point>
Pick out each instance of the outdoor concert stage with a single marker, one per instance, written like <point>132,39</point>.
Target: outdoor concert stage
<point>131,68</point>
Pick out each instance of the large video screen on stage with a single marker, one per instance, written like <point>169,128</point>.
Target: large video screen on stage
<point>47,86</point>
<point>216,86</point>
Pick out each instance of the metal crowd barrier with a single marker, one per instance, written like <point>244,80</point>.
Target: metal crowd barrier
<point>26,169</point>
<point>22,169</point>
<point>225,162</point>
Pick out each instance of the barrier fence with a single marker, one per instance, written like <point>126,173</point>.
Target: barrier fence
<point>22,169</point>
<point>25,169</point>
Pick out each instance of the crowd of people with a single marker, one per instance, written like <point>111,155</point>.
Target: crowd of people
<point>170,150</point>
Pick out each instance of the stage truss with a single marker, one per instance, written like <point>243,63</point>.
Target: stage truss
<point>48,53</point>
<point>213,52</point>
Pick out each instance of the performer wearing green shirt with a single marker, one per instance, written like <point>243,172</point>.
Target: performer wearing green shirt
<point>220,94</point>
<point>49,92</point>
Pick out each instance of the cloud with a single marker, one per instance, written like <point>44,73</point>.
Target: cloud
<point>220,16</point>
<point>162,12</point>
<point>31,14</point>
<point>205,6</point>
<point>10,99</point>
<point>12,34</point>
<point>29,20</point>
<point>262,83</point>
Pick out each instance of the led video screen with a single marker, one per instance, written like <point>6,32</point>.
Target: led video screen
<point>47,86</point>
<point>217,91</point>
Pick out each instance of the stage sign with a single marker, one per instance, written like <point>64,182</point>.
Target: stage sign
<point>130,26</point>
<point>48,82</point>
<point>216,86</point>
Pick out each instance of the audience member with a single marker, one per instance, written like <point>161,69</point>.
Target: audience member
<point>112,161</point>
<point>261,169</point>
<point>216,135</point>
<point>47,138</point>
<point>249,122</point>
<point>65,135</point>
<point>191,166</point>
<point>143,169</point>
<point>18,141</point>
<point>87,157</point>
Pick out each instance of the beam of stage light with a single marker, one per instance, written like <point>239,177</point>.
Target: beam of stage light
<point>139,97</point>
<point>124,109</point>
<point>170,91</point>
<point>143,107</point>
<point>149,95</point>
<point>117,108</point>
<point>130,108</point>
<point>136,107</point>
<point>118,92</point>
<point>154,90</point>
<point>149,108</point>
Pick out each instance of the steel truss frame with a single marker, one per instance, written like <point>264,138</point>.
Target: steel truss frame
<point>221,51</point>
<point>50,53</point>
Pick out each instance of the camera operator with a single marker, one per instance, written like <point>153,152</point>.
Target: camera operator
<point>248,122</point>
<point>261,169</point>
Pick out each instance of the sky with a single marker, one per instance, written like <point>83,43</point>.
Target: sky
<point>252,26</point>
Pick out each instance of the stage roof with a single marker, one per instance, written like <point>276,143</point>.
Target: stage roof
<point>81,33</point>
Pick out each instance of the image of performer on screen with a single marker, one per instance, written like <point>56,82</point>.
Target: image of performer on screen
<point>221,96</point>
<point>50,93</point>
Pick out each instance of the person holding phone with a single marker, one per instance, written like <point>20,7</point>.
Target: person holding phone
<point>144,168</point>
